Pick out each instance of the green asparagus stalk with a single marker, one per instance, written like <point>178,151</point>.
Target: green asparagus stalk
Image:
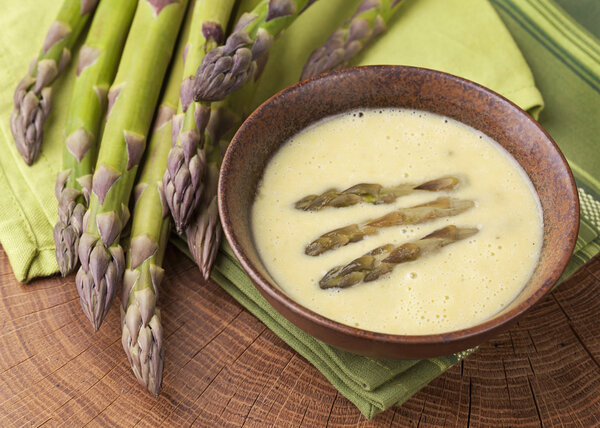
<point>132,99</point>
<point>371,193</point>
<point>227,68</point>
<point>182,181</point>
<point>384,259</point>
<point>441,207</point>
<point>96,68</point>
<point>33,96</point>
<point>142,333</point>
<point>368,22</point>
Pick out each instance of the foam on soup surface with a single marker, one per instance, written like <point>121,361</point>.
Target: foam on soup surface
<point>456,287</point>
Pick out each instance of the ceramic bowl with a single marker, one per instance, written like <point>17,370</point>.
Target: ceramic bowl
<point>306,102</point>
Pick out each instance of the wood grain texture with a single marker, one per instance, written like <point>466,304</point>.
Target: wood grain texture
<point>225,369</point>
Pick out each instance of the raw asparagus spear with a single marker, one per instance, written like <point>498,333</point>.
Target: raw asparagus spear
<point>384,259</point>
<point>132,99</point>
<point>96,68</point>
<point>142,333</point>
<point>182,180</point>
<point>204,231</point>
<point>371,193</point>
<point>368,22</point>
<point>227,68</point>
<point>33,96</point>
<point>441,207</point>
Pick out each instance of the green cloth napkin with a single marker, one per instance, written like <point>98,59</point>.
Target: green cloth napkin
<point>463,37</point>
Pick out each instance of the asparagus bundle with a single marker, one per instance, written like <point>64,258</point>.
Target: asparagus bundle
<point>132,99</point>
<point>142,333</point>
<point>182,181</point>
<point>371,193</point>
<point>368,22</point>
<point>384,259</point>
<point>33,96</point>
<point>96,68</point>
<point>227,68</point>
<point>441,207</point>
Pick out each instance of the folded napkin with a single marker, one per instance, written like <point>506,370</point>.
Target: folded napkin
<point>463,37</point>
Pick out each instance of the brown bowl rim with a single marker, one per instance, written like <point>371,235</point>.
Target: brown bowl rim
<point>461,335</point>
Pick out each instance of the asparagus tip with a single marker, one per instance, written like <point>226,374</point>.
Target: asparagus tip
<point>69,226</point>
<point>204,237</point>
<point>143,345</point>
<point>182,181</point>
<point>442,183</point>
<point>98,277</point>
<point>32,103</point>
<point>225,69</point>
<point>66,240</point>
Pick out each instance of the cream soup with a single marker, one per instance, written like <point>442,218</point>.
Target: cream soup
<point>456,287</point>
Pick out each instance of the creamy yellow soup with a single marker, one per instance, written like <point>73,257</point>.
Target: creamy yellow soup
<point>456,287</point>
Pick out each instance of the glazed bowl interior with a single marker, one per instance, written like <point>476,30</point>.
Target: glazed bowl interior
<point>299,106</point>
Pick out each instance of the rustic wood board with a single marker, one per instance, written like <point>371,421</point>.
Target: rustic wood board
<point>224,368</point>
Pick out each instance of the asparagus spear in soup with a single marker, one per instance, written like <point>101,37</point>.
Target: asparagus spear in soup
<point>371,193</point>
<point>441,207</point>
<point>382,260</point>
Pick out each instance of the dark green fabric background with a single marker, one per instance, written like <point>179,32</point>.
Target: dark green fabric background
<point>586,12</point>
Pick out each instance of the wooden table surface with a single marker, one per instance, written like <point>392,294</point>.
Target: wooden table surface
<point>224,368</point>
